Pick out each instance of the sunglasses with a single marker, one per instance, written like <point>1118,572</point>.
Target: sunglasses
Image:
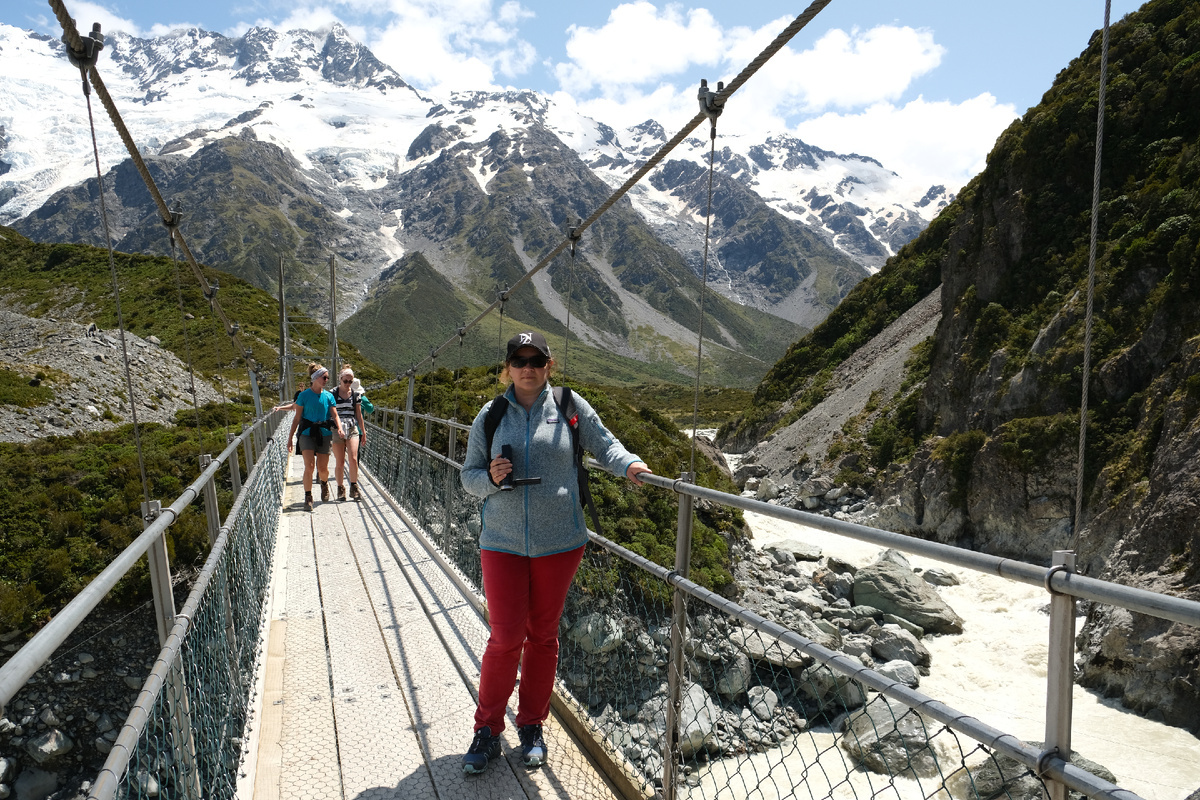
<point>537,362</point>
<point>347,380</point>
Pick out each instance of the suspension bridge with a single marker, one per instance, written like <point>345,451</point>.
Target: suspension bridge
<point>336,654</point>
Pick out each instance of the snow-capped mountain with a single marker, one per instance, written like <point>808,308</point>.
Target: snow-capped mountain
<point>304,144</point>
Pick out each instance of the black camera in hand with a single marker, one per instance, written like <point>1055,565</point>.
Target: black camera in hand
<point>508,482</point>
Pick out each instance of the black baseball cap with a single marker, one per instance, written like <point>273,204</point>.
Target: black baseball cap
<point>528,339</point>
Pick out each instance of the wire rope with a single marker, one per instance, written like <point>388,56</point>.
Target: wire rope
<point>574,236</point>
<point>1091,286</point>
<point>763,57</point>
<point>76,45</point>
<point>112,266</point>
<point>712,149</point>
<point>500,333</point>
<point>187,337</point>
<point>221,381</point>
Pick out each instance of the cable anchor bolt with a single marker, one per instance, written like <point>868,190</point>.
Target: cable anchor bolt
<point>151,510</point>
<point>575,235</point>
<point>92,44</point>
<point>711,103</point>
<point>174,216</point>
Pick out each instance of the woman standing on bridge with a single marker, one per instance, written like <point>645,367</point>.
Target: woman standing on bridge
<point>532,540</point>
<point>345,448</point>
<point>316,417</point>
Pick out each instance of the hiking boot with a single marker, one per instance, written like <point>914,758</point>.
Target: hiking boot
<point>484,748</point>
<point>341,492</point>
<point>308,501</point>
<point>533,746</point>
<point>324,492</point>
<point>354,491</point>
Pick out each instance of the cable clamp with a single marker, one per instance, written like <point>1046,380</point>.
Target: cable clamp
<point>1049,576</point>
<point>175,215</point>
<point>575,235</point>
<point>711,104</point>
<point>92,44</point>
<point>1044,759</point>
<point>503,295</point>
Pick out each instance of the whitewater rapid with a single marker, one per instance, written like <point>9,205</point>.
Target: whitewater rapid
<point>994,671</point>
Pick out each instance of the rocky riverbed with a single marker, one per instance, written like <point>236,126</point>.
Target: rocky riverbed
<point>57,731</point>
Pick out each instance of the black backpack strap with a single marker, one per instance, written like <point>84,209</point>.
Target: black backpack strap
<point>564,398</point>
<point>491,422</point>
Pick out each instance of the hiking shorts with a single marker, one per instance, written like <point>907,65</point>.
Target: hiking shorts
<point>352,431</point>
<point>318,444</point>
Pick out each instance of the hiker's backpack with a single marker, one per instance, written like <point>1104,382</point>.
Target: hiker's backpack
<point>564,398</point>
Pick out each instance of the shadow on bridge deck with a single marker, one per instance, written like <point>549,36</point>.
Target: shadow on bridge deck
<point>372,668</point>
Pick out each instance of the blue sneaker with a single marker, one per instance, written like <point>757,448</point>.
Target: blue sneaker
<point>533,746</point>
<point>484,747</point>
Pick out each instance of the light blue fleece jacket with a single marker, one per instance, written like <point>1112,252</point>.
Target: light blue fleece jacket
<point>546,518</point>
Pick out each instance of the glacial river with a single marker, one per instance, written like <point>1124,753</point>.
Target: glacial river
<point>996,672</point>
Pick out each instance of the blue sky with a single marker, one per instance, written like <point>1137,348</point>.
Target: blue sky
<point>923,85</point>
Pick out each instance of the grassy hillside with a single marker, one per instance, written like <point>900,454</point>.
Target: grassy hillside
<point>75,282</point>
<point>415,309</point>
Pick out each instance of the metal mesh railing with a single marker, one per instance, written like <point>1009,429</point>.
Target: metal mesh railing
<point>183,738</point>
<point>762,712</point>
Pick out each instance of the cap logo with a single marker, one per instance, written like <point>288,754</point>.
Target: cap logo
<point>526,338</point>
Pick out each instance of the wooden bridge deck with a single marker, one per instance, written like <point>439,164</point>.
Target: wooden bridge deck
<point>373,667</point>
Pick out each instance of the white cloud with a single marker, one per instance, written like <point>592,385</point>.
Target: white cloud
<point>448,45</point>
<point>86,13</point>
<point>638,45</point>
<point>850,70</point>
<point>664,103</point>
<point>925,142</point>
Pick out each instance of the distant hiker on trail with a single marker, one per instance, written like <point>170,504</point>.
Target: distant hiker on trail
<point>533,536</point>
<point>317,419</point>
<point>345,448</point>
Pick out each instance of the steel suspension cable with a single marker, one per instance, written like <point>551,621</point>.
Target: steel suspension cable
<point>574,236</point>
<point>754,66</point>
<point>75,43</point>
<point>112,266</point>
<point>1091,286</point>
<point>187,336</point>
<point>712,149</point>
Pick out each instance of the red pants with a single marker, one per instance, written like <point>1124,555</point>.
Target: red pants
<point>525,599</point>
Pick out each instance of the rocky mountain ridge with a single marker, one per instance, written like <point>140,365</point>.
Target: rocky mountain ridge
<point>303,145</point>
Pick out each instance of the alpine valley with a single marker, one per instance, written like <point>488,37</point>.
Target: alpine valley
<point>302,146</point>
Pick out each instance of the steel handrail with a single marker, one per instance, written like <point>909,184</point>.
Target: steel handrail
<point>30,658</point>
<point>123,749</point>
<point>1176,609</point>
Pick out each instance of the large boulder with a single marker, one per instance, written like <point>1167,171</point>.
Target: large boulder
<point>894,589</point>
<point>831,692</point>
<point>1002,776</point>
<point>893,643</point>
<point>889,738</point>
<point>764,649</point>
<point>596,633</point>
<point>49,745</point>
<point>698,716</point>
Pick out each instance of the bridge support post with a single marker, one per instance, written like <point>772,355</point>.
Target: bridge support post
<point>683,558</point>
<point>182,739</point>
<point>408,405</point>
<point>1060,669</point>
<point>235,470</point>
<point>212,511</point>
<point>249,447</point>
